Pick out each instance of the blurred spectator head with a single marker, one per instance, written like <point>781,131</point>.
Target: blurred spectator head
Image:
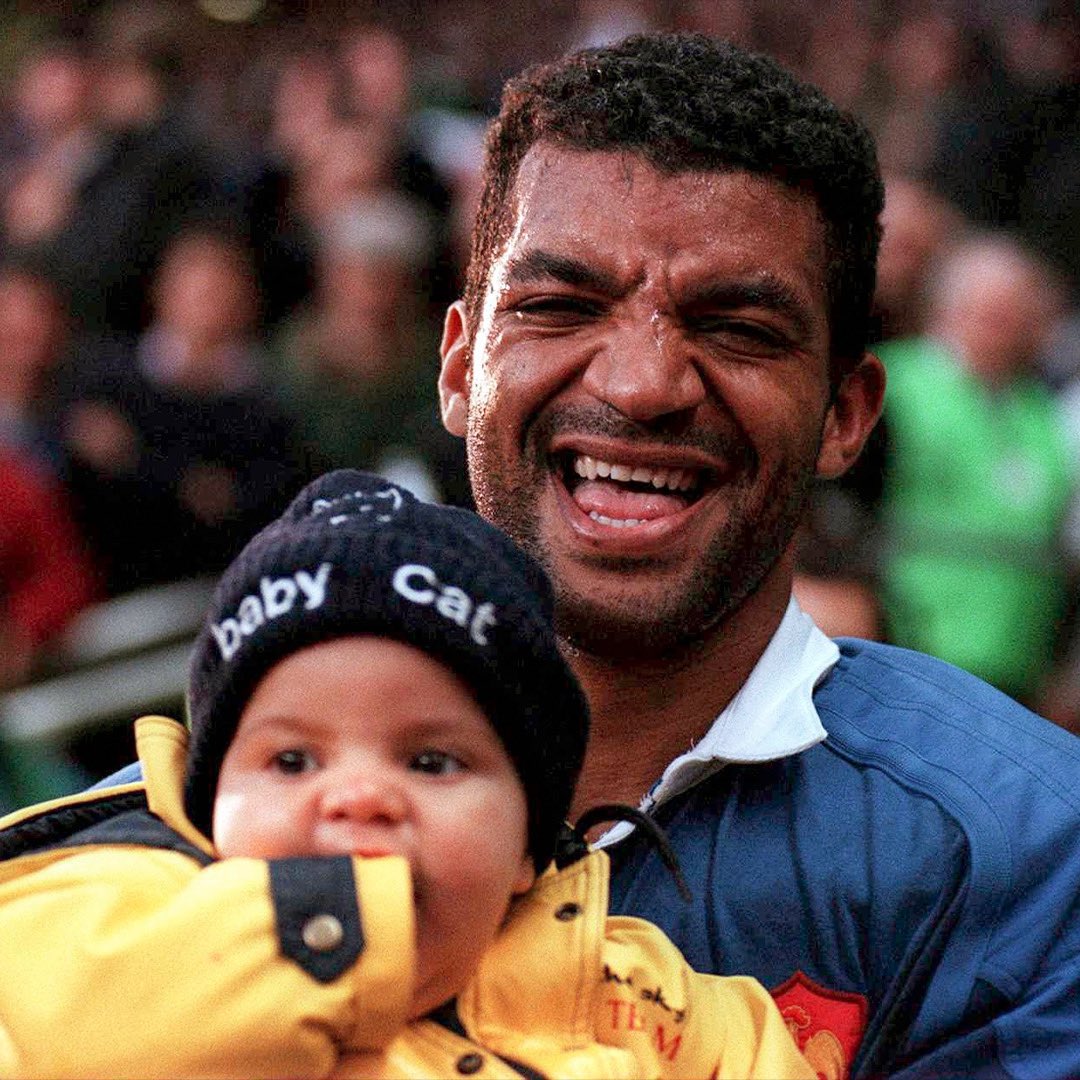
<point>917,226</point>
<point>691,103</point>
<point>733,20</point>
<point>377,70</point>
<point>304,106</point>
<point>354,160</point>
<point>922,52</point>
<point>33,332</point>
<point>204,291</point>
<point>35,204</point>
<point>840,48</point>
<point>52,92</point>
<point>603,22</point>
<point>993,303</point>
<point>130,93</point>
<point>1039,43</point>
<point>138,61</point>
<point>368,286</point>
<point>924,58</point>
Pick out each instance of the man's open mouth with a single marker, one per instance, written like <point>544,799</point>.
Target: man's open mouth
<point>622,495</point>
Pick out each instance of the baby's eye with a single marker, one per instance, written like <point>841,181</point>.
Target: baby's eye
<point>436,762</point>
<point>294,761</point>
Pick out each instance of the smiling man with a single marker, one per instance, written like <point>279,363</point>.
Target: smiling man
<point>660,347</point>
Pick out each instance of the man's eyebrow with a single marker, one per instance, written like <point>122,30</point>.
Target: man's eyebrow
<point>540,265</point>
<point>764,291</point>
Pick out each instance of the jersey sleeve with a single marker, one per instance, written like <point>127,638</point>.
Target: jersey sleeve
<point>1032,1030</point>
<point>128,962</point>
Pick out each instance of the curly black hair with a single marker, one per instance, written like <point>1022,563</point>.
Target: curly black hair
<point>688,102</point>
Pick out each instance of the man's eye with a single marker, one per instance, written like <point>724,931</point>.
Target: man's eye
<point>555,308</point>
<point>744,336</point>
<point>436,762</point>
<point>292,762</point>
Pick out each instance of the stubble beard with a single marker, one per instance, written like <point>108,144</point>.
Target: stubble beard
<point>678,614</point>
<point>683,614</point>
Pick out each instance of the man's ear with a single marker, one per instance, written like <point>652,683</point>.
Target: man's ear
<point>455,376</point>
<point>851,417</point>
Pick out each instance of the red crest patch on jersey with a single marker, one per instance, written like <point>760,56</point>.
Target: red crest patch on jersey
<point>827,1024</point>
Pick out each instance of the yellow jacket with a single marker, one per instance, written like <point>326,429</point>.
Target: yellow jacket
<point>130,951</point>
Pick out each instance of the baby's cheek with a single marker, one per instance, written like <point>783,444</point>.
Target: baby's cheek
<point>226,821</point>
<point>247,827</point>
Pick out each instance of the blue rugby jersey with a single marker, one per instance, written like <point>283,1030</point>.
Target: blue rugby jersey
<point>909,888</point>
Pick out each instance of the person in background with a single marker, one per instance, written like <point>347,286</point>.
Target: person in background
<point>34,360</point>
<point>52,142</point>
<point>380,90</point>
<point>179,450</point>
<point>97,198</point>
<point>46,573</point>
<point>918,229</point>
<point>979,476</point>
<point>355,364</point>
<point>341,134</point>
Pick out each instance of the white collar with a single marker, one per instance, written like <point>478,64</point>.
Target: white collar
<point>771,716</point>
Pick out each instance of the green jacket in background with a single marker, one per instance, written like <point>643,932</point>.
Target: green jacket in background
<point>978,485</point>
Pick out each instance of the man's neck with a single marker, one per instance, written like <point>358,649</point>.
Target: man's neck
<point>647,713</point>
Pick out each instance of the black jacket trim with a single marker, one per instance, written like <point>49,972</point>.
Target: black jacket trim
<point>112,819</point>
<point>307,889</point>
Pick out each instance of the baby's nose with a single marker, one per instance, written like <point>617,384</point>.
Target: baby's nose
<point>364,795</point>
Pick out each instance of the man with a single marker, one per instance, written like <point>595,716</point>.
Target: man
<point>660,346</point>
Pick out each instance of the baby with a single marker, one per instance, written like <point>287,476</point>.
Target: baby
<point>357,864</point>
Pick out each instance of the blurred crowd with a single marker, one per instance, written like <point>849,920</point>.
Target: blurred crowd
<point>226,244</point>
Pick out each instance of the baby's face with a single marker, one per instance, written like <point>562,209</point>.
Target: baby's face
<point>366,746</point>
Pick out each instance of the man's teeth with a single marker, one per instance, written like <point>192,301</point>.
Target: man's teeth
<point>619,523</point>
<point>671,479</point>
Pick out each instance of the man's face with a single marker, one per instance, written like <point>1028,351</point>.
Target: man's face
<point>367,746</point>
<point>645,393</point>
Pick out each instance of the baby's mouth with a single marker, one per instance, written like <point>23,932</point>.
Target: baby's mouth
<point>623,495</point>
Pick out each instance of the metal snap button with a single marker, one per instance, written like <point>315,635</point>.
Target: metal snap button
<point>468,1064</point>
<point>321,933</point>
<point>567,912</point>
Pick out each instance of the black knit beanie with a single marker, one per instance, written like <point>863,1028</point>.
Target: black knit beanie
<point>356,554</point>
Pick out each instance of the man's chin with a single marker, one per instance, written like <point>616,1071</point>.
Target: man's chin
<point>632,631</point>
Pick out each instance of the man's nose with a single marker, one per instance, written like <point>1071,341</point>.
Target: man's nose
<point>646,369</point>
